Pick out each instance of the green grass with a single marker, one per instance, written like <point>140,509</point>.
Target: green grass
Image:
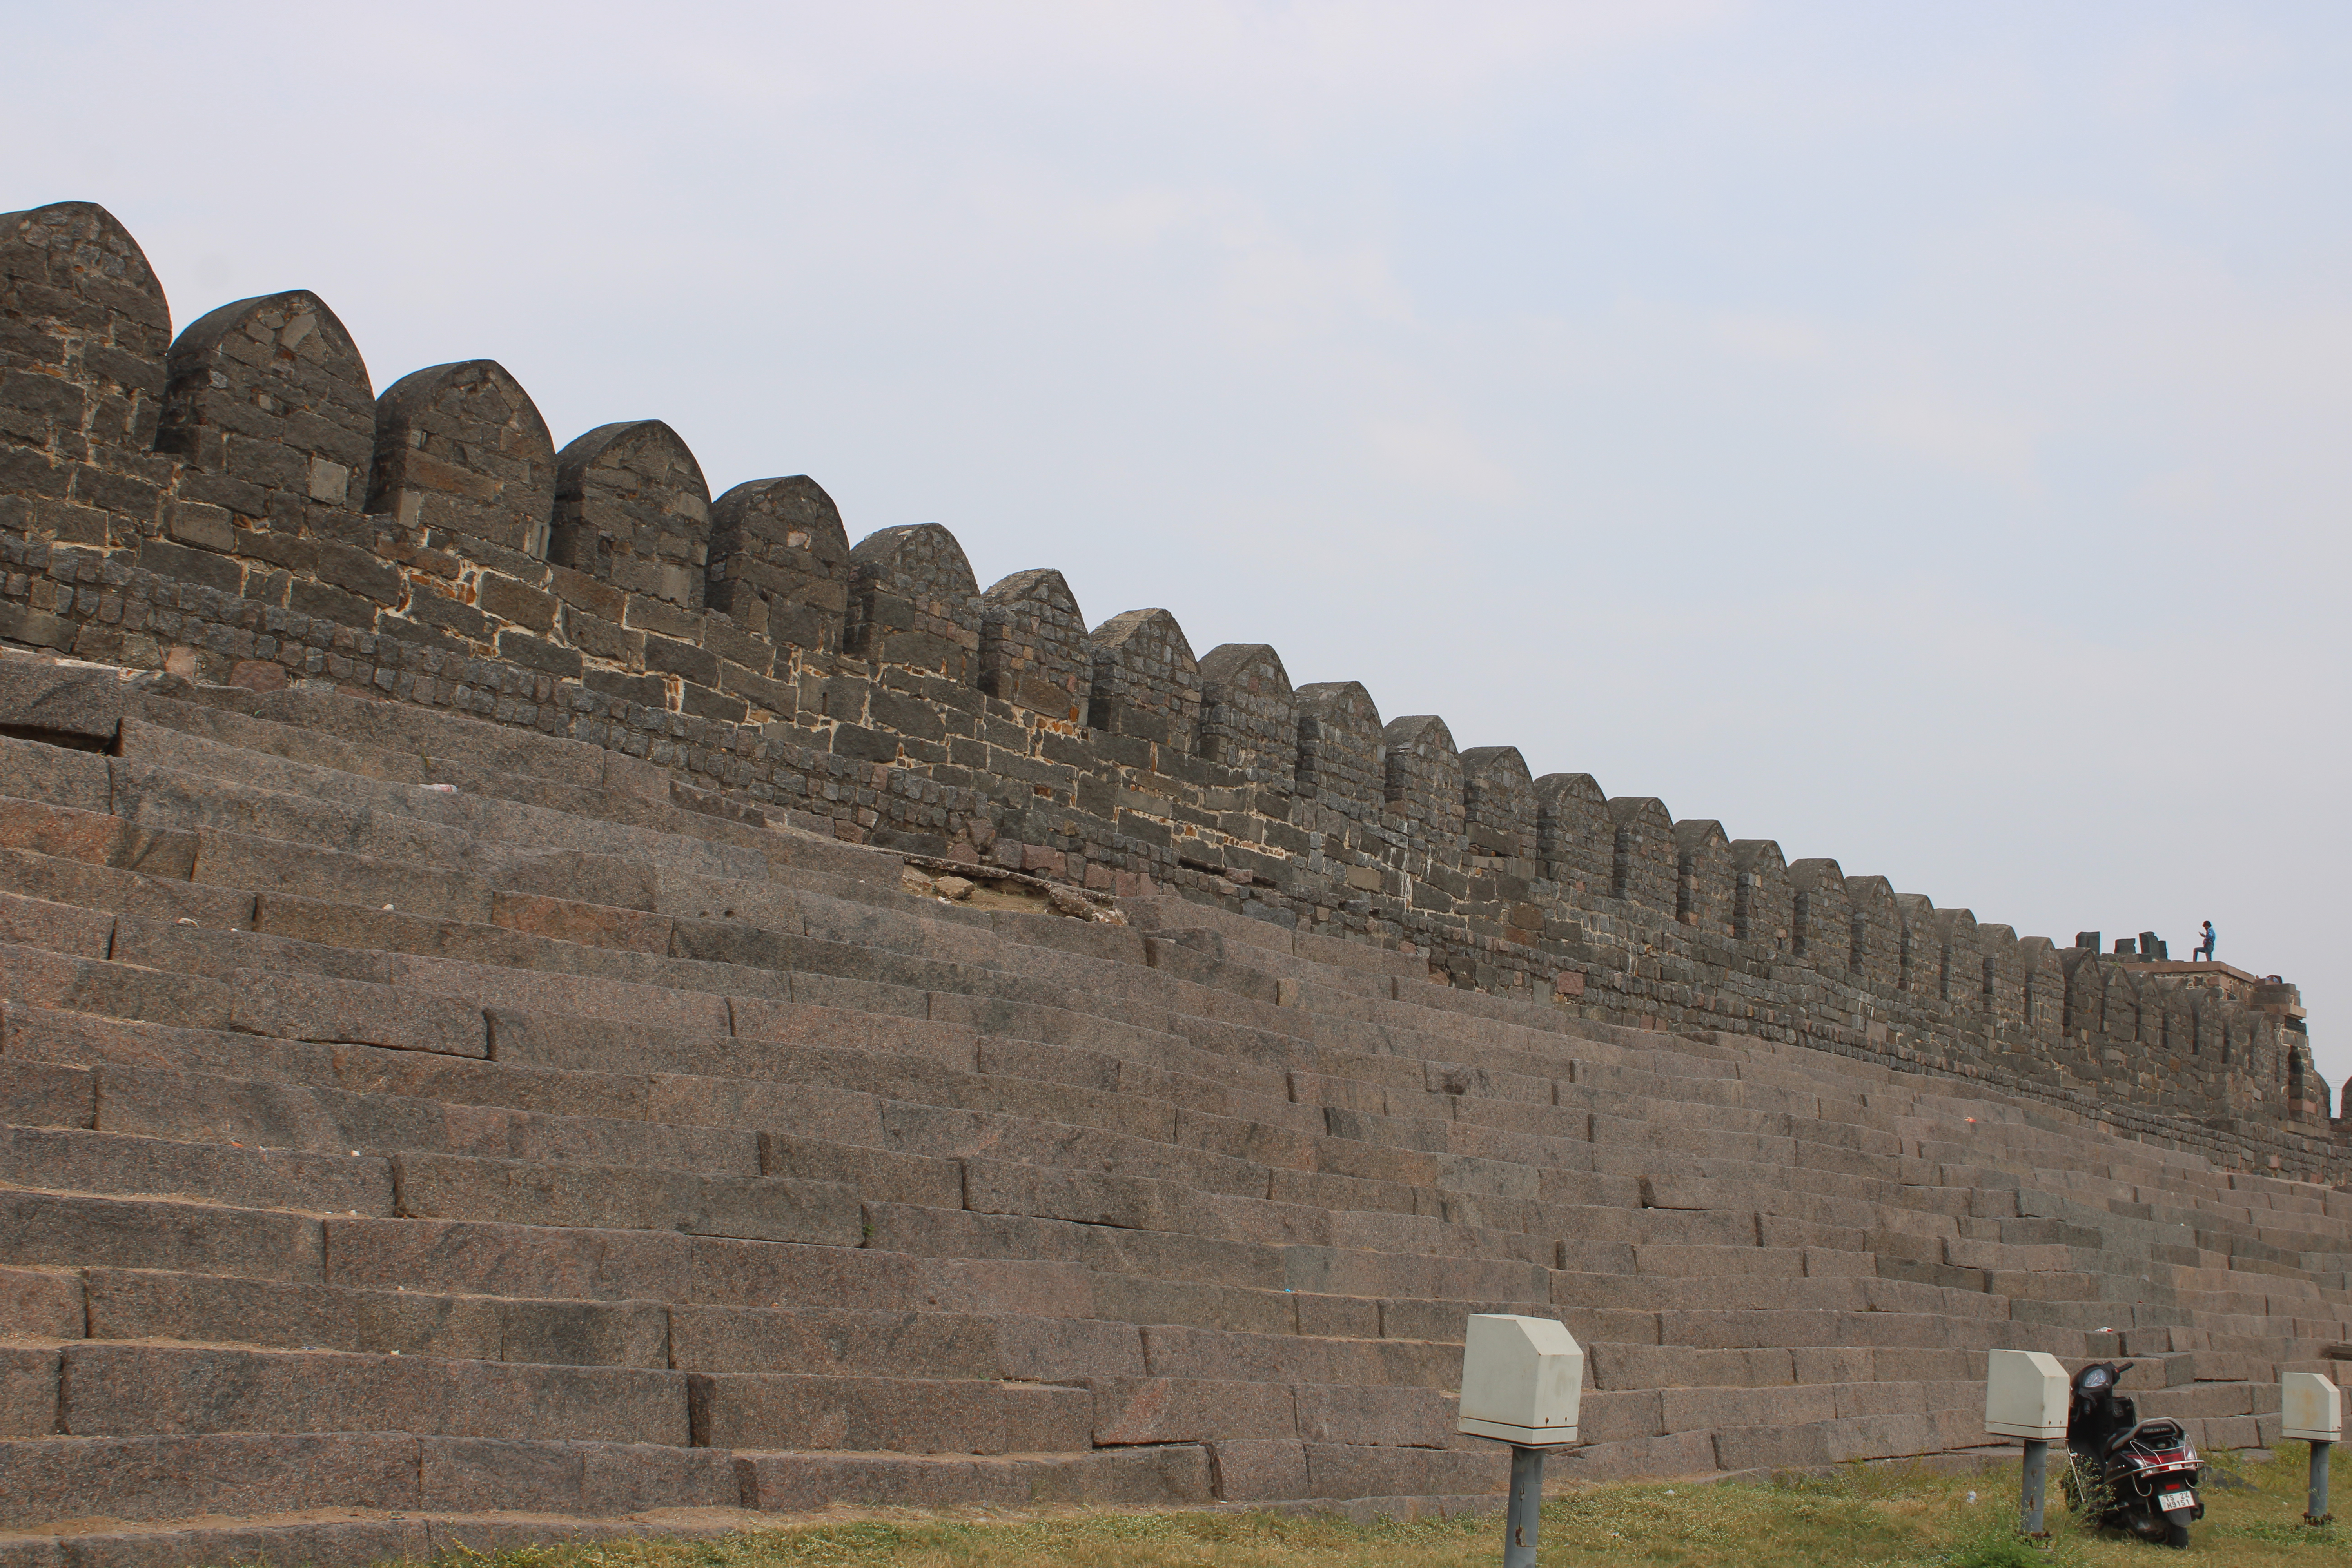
<point>1893,1516</point>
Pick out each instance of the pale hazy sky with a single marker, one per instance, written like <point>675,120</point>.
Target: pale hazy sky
<point>1915,433</point>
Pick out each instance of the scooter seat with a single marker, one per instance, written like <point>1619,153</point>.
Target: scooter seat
<point>2160,1431</point>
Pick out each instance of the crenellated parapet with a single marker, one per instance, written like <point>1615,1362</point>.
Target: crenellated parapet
<point>780,563</point>
<point>270,410</point>
<point>914,604</point>
<point>1033,647</point>
<point>238,506</point>
<point>1146,683</point>
<point>1498,802</point>
<point>1763,902</point>
<point>632,510</point>
<point>1423,779</point>
<point>83,377</point>
<point>1576,838</point>
<point>1706,895</point>
<point>1341,766</point>
<point>1645,868</point>
<point>463,463</point>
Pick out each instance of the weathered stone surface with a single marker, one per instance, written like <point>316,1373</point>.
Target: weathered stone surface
<point>269,407</point>
<point>54,701</point>
<point>1033,646</point>
<point>1249,717</point>
<point>1339,763</point>
<point>915,603</point>
<point>780,562</point>
<point>1145,683</point>
<point>81,379</point>
<point>462,456</point>
<point>311,1007</point>
<point>665,1110</point>
<point>632,510</point>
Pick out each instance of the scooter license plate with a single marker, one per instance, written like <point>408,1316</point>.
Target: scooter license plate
<point>2182,1499</point>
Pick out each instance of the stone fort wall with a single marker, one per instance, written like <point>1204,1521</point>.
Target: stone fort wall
<point>239,504</point>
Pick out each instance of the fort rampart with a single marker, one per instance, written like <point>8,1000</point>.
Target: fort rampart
<point>240,505</point>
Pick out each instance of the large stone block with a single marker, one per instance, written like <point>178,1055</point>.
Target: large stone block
<point>523,1191</point>
<point>68,704</point>
<point>137,1390</point>
<point>886,1344</point>
<point>1182,1410</point>
<point>312,1007</point>
<point>41,1304</point>
<point>580,1262</point>
<point>164,1478</point>
<point>889,1414</point>
<point>50,1229</point>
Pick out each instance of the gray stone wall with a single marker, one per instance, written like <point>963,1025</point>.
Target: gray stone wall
<point>177,506</point>
<point>1498,802</point>
<point>915,603</point>
<point>632,510</point>
<point>780,562</point>
<point>1249,716</point>
<point>84,331</point>
<point>463,463</point>
<point>1339,763</point>
<point>1033,646</point>
<point>1146,682</point>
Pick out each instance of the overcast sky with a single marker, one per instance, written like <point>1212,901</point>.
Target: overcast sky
<point>1917,434</point>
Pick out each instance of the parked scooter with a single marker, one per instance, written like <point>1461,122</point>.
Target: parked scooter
<point>2140,1475</point>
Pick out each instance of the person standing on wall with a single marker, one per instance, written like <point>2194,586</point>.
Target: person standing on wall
<point>2205,948</point>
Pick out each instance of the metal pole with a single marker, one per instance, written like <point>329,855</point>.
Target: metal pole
<point>2318,1511</point>
<point>1527,1500</point>
<point>2035,1488</point>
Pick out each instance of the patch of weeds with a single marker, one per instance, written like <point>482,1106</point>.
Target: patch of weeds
<point>1994,1542</point>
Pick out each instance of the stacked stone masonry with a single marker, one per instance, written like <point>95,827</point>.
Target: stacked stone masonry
<point>450,903</point>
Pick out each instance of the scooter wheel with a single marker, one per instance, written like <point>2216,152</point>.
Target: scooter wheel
<point>2177,1537</point>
